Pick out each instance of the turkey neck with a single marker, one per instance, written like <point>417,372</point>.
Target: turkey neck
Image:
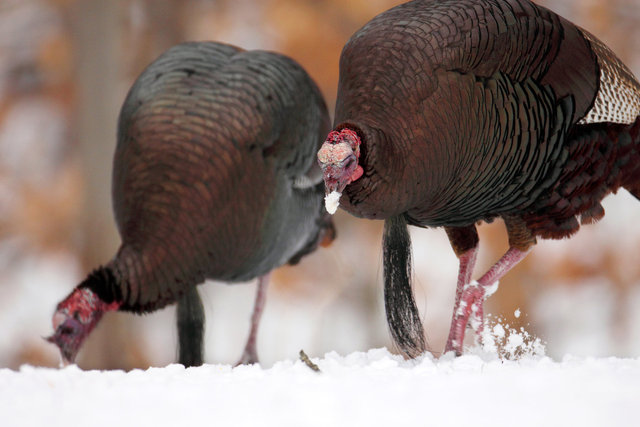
<point>145,281</point>
<point>411,167</point>
<point>384,190</point>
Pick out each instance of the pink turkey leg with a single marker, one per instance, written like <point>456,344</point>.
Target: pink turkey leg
<point>467,262</point>
<point>474,294</point>
<point>250,355</point>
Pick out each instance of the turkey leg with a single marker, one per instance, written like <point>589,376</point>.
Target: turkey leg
<point>191,320</point>
<point>467,262</point>
<point>250,355</point>
<point>470,295</point>
<point>469,308</point>
<point>464,241</point>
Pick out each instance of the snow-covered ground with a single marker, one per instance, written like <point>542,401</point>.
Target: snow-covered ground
<point>374,388</point>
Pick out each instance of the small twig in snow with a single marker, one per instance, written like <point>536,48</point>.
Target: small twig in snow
<point>308,362</point>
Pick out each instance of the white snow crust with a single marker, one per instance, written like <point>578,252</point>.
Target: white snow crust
<point>374,388</point>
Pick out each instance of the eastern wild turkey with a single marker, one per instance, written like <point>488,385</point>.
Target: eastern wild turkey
<point>214,177</point>
<point>451,112</point>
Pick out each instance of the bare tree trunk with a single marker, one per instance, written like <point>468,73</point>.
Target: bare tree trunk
<point>98,32</point>
<point>95,31</point>
<point>96,39</point>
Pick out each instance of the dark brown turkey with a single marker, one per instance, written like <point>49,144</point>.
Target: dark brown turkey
<point>451,112</point>
<point>214,177</point>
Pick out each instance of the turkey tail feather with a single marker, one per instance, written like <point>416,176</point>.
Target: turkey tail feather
<point>190,329</point>
<point>402,313</point>
<point>632,184</point>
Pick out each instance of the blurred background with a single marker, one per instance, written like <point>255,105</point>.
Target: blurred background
<point>65,68</point>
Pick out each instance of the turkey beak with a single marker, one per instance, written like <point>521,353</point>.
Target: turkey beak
<point>68,337</point>
<point>338,176</point>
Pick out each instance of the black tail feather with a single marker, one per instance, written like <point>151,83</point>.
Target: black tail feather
<point>190,329</point>
<point>402,313</point>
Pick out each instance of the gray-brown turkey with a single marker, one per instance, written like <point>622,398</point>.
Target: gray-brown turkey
<point>214,177</point>
<point>451,112</point>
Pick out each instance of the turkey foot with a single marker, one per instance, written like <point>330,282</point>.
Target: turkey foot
<point>470,296</point>
<point>250,354</point>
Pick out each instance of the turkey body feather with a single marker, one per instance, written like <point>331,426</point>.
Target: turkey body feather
<point>213,178</point>
<point>477,99</point>
<point>471,110</point>
<point>208,159</point>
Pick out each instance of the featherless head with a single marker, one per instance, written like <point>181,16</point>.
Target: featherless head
<point>75,318</point>
<point>338,157</point>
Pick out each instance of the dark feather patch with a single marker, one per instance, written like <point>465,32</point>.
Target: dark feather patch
<point>402,314</point>
<point>190,315</point>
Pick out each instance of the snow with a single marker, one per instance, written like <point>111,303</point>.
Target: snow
<point>374,388</point>
<point>592,318</point>
<point>474,319</point>
<point>331,201</point>
<point>492,289</point>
